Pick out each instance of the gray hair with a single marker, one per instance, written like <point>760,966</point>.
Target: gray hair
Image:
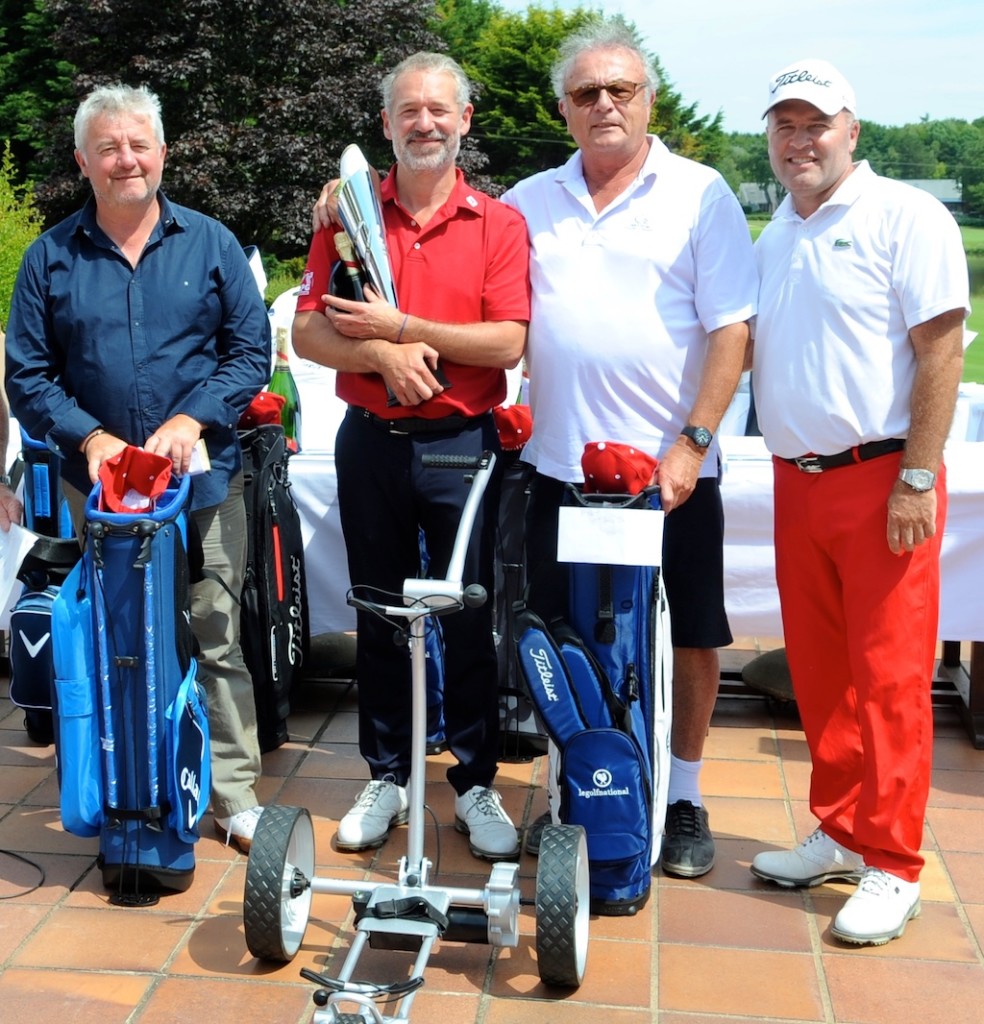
<point>438,63</point>
<point>115,100</point>
<point>603,34</point>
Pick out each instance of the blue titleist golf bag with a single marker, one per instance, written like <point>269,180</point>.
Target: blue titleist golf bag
<point>131,728</point>
<point>601,684</point>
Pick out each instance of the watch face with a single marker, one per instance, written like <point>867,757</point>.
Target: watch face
<point>700,436</point>
<point>918,479</point>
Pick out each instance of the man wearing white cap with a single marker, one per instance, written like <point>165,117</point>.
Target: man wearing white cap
<point>858,354</point>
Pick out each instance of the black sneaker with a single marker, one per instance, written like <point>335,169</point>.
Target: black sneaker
<point>688,846</point>
<point>534,833</point>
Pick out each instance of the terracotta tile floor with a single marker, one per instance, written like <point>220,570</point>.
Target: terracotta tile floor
<point>722,949</point>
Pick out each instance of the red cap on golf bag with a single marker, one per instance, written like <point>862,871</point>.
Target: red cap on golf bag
<point>515,424</point>
<point>265,408</point>
<point>613,468</point>
<point>133,480</point>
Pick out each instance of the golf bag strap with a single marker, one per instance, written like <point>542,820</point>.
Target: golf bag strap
<point>145,814</point>
<point>605,624</point>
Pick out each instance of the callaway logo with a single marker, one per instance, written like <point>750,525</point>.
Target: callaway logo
<point>189,778</point>
<point>541,660</point>
<point>34,649</point>
<point>189,785</point>
<point>799,76</point>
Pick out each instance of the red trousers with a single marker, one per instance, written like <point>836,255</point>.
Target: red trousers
<point>860,628</point>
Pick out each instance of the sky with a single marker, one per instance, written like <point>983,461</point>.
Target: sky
<point>906,59</point>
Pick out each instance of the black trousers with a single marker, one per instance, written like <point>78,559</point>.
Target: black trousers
<point>386,497</point>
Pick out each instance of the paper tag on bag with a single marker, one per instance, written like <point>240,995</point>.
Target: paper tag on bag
<point>610,536</point>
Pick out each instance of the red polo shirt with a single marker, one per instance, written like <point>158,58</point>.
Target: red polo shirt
<point>469,263</point>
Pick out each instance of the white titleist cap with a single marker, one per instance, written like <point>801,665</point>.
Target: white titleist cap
<point>815,81</point>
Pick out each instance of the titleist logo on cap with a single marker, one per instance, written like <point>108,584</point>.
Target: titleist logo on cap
<point>789,77</point>
<point>814,81</point>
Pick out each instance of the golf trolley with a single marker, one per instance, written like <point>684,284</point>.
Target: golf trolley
<point>412,914</point>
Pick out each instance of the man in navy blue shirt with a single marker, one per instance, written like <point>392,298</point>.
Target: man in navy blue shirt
<point>137,321</point>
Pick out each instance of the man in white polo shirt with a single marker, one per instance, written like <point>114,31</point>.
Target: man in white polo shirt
<point>643,281</point>
<point>858,355</point>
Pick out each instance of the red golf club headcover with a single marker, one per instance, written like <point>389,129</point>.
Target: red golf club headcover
<point>265,408</point>
<point>613,468</point>
<point>515,424</point>
<point>133,480</point>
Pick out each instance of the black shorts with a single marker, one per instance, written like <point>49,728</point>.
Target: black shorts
<point>693,569</point>
<point>693,562</point>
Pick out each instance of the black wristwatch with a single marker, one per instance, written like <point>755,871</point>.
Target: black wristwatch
<point>5,481</point>
<point>700,436</point>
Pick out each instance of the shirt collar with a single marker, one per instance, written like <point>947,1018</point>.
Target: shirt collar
<point>171,218</point>
<point>848,191</point>
<point>572,172</point>
<point>462,197</point>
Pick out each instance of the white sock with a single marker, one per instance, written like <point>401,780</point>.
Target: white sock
<point>685,781</point>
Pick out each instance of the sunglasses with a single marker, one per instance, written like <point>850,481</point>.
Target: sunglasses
<point>620,91</point>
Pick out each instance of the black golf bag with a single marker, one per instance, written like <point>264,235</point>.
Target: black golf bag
<point>31,667</point>
<point>274,616</point>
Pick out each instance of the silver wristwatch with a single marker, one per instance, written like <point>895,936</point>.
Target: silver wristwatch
<point>918,479</point>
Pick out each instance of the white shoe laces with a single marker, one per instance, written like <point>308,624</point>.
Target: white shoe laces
<point>875,882</point>
<point>370,796</point>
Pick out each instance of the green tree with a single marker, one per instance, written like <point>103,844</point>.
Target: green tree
<point>33,82</point>
<point>969,171</point>
<point>259,99</point>
<point>20,224</point>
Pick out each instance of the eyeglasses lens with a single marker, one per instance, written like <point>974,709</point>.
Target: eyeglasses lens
<point>620,92</point>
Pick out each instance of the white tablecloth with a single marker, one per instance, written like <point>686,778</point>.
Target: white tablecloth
<point>749,564</point>
<point>750,590</point>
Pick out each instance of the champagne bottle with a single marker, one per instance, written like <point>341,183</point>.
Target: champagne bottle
<point>282,383</point>
<point>347,277</point>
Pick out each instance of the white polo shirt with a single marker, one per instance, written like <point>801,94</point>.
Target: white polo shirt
<point>623,301</point>
<point>840,290</point>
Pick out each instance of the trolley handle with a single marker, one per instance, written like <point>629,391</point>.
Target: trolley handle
<point>437,461</point>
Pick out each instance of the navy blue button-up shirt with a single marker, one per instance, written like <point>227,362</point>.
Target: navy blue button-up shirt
<point>94,342</point>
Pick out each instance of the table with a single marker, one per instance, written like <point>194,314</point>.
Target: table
<point>750,591</point>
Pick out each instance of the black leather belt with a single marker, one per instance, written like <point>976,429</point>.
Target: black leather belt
<point>861,453</point>
<point>417,424</point>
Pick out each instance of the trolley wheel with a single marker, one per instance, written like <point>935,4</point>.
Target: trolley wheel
<point>562,905</point>
<point>277,900</point>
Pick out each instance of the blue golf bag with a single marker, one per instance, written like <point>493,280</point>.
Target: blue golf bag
<point>45,508</point>
<point>131,727</point>
<point>46,513</point>
<point>601,684</point>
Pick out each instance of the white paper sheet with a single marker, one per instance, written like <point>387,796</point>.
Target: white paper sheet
<point>14,545</point>
<point>610,536</point>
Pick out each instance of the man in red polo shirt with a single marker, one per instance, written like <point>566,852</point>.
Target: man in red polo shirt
<point>460,265</point>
